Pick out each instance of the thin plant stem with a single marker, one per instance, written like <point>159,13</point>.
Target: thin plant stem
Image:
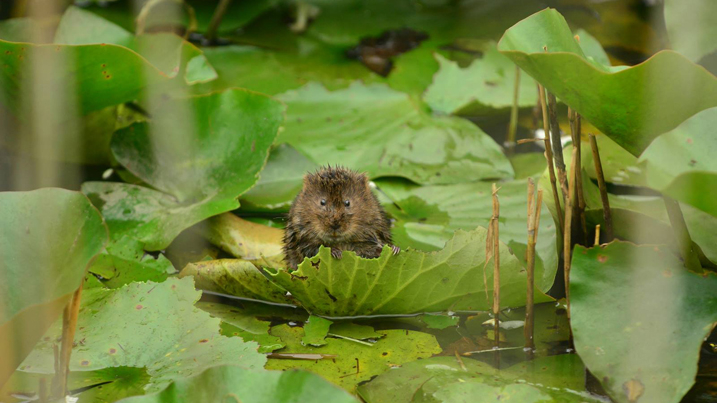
<point>607,215</point>
<point>682,234</point>
<point>557,144</point>
<point>579,206</point>
<point>549,157</point>
<point>534,207</point>
<point>69,326</point>
<point>211,34</point>
<point>567,229</point>
<point>513,125</point>
<point>496,264</point>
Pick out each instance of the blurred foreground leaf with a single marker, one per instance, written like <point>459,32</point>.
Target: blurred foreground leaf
<point>48,237</point>
<point>238,384</point>
<point>642,347</point>
<point>444,379</point>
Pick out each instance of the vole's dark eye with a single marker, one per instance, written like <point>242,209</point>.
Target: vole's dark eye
<point>347,203</point>
<point>323,202</point>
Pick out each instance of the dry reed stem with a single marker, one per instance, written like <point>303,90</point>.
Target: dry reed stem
<point>69,326</point>
<point>549,157</point>
<point>496,263</point>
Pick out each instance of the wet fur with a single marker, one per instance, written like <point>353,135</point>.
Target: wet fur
<point>363,227</point>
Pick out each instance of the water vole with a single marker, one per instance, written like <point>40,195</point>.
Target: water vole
<point>337,209</point>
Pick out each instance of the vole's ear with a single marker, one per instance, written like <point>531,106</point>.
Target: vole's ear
<point>364,178</point>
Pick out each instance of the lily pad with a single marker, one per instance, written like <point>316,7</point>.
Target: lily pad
<point>198,172</point>
<point>453,278</point>
<point>220,383</point>
<point>381,131</point>
<point>109,73</point>
<point>246,240</point>
<point>279,182</point>
<point>168,52</point>
<point>444,379</point>
<point>427,216</point>
<point>151,325</point>
<point>125,261</point>
<point>642,348</point>
<point>234,277</point>
<point>48,238</point>
<point>315,330</point>
<point>354,362</point>
<point>238,322</point>
<point>487,84</point>
<point>690,25</point>
<point>632,105</point>
<point>681,163</point>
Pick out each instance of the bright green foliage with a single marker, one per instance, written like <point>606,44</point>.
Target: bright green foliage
<point>455,278</point>
<point>353,331</point>
<point>150,325</point>
<point>237,322</point>
<point>168,52</point>
<point>639,319</point>
<point>280,181</point>
<point>427,216</point>
<point>229,383</point>
<point>444,379</point>
<point>125,261</point>
<point>234,277</point>
<point>691,27</point>
<point>376,129</point>
<point>48,237</point>
<point>114,383</point>
<point>631,105</point>
<point>315,330</point>
<point>110,74</point>
<point>202,169</point>
<point>681,163</point>
<point>354,362</point>
<point>484,85</point>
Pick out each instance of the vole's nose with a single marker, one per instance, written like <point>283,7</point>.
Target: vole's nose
<point>335,226</point>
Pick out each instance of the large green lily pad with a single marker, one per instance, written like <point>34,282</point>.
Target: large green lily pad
<point>681,163</point>
<point>229,383</point>
<point>427,216</point>
<point>454,278</point>
<point>168,52</point>
<point>690,25</point>
<point>653,317</point>
<point>198,171</point>
<point>352,362</point>
<point>109,73</point>
<point>48,237</point>
<point>632,105</point>
<point>444,379</point>
<point>150,325</point>
<point>484,85</point>
<point>280,181</point>
<point>237,322</point>
<point>381,131</point>
<point>234,277</point>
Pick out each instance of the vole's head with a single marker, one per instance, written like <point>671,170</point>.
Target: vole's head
<point>336,204</point>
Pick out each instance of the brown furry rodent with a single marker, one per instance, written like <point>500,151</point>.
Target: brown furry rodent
<point>337,209</point>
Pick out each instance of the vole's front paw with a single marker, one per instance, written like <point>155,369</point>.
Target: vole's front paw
<point>395,249</point>
<point>336,253</point>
